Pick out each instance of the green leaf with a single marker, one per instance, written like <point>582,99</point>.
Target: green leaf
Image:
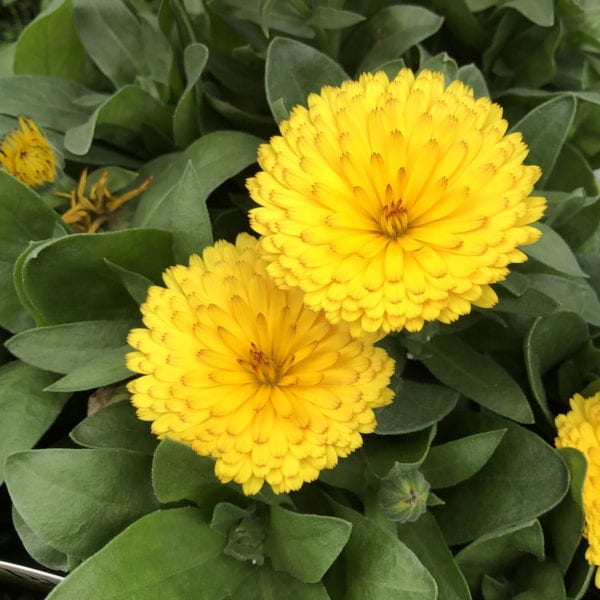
<point>190,219</point>
<point>477,376</point>
<point>27,410</point>
<point>539,581</point>
<point>541,12</point>
<point>462,23</point>
<point>472,76</point>
<point>179,473</point>
<point>49,101</point>
<point>415,407</point>
<point>294,70</point>
<point>425,539</point>
<point>389,34</point>
<point>304,545</point>
<point>49,46</point>
<point>108,368</point>
<point>523,479</point>
<point>166,554</point>
<point>571,171</point>
<point>62,493</point>
<point>215,157</point>
<point>454,462</point>
<point>553,251</point>
<point>544,130</point>
<point>37,548</point>
<point>531,303</point>
<point>115,426</point>
<point>327,17</point>
<point>23,218</point>
<point>565,523</point>
<point>67,279</point>
<point>497,553</point>
<point>379,565</point>
<point>185,118</point>
<point>64,348</point>
<point>137,285</point>
<point>572,295</point>
<point>118,42</point>
<point>410,450</point>
<point>128,117</point>
<point>267,583</point>
<point>546,345</point>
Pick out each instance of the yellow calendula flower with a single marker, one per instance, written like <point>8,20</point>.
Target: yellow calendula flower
<point>392,203</point>
<point>88,211</point>
<point>580,429</point>
<point>241,371</point>
<point>28,155</point>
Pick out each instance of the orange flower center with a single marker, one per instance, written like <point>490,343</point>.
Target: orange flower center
<point>394,219</point>
<point>262,366</point>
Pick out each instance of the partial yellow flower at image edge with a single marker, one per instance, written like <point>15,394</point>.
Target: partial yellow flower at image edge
<point>393,203</point>
<point>26,154</point>
<point>241,371</point>
<point>580,429</point>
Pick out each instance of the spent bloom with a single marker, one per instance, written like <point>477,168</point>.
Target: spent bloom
<point>87,213</point>
<point>241,371</point>
<point>26,154</point>
<point>580,429</point>
<point>392,203</point>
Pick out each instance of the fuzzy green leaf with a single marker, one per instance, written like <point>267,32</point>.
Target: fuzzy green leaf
<point>27,410</point>
<point>68,280</point>
<point>293,70</point>
<point>163,555</point>
<point>304,545</point>
<point>62,493</point>
<point>453,462</point>
<point>115,426</point>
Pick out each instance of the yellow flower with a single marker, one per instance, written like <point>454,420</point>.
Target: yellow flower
<point>87,214</point>
<point>580,429</point>
<point>27,155</point>
<point>243,372</point>
<point>394,203</point>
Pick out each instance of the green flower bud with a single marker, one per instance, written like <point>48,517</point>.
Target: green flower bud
<point>403,494</point>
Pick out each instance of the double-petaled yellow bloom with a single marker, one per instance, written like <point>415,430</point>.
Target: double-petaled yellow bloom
<point>28,155</point>
<point>240,370</point>
<point>580,429</point>
<point>392,203</point>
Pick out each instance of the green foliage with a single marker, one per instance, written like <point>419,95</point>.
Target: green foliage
<point>185,92</point>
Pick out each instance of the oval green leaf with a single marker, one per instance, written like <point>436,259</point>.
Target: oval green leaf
<point>77,500</point>
<point>294,70</point>
<point>523,479</point>
<point>167,554</point>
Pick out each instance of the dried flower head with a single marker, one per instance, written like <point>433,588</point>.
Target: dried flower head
<point>392,203</point>
<point>580,429</point>
<point>88,212</point>
<point>26,154</point>
<point>243,372</point>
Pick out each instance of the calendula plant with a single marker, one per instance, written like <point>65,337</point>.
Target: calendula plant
<point>299,299</point>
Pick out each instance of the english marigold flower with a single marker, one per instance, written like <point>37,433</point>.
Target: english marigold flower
<point>87,213</point>
<point>243,372</point>
<point>392,203</point>
<point>580,429</point>
<point>26,154</point>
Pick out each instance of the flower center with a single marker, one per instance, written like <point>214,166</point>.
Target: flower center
<point>394,219</point>
<point>266,372</point>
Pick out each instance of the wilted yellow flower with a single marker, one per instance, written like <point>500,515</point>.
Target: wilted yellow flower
<point>394,203</point>
<point>87,213</point>
<point>580,429</point>
<point>28,155</point>
<point>243,372</point>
